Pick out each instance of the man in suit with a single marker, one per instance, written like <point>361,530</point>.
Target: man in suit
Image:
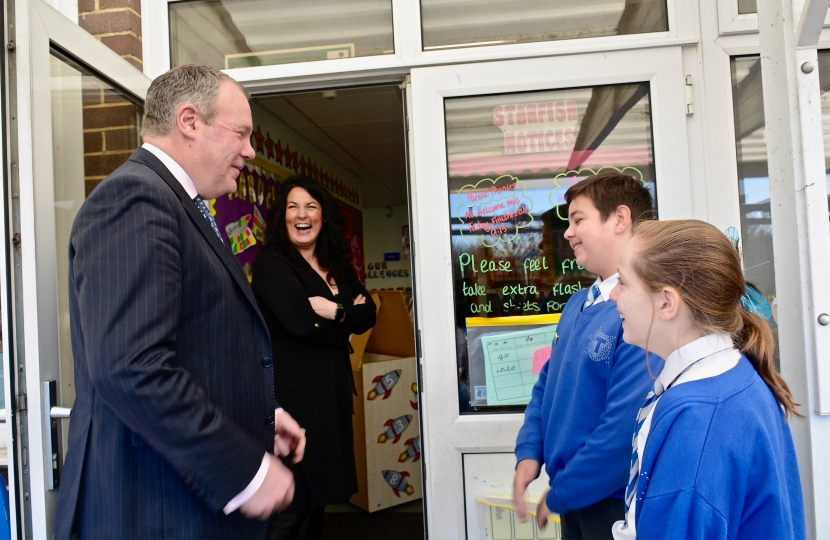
<point>175,421</point>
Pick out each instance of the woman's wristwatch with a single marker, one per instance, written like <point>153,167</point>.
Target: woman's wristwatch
<point>338,314</point>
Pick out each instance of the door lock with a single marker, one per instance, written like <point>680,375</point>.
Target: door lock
<point>824,319</point>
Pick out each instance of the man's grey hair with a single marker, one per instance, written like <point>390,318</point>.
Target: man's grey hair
<point>182,85</point>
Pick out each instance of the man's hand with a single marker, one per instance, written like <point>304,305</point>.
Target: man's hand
<point>288,437</point>
<point>542,512</point>
<point>526,472</point>
<point>274,495</point>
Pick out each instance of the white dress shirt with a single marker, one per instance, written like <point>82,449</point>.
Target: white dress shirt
<point>605,288</point>
<point>719,356</point>
<point>187,183</point>
<point>174,168</point>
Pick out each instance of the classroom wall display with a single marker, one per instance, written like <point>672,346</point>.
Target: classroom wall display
<point>386,264</point>
<point>242,216</point>
<point>511,158</point>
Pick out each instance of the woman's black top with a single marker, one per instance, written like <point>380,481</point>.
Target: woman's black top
<point>312,372</point>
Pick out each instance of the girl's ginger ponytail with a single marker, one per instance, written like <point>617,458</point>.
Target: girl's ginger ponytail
<point>698,261</point>
<point>756,342</point>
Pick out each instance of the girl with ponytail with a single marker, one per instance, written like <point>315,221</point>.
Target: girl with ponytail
<point>712,454</point>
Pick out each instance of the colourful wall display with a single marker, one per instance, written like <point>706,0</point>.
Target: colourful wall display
<point>242,216</point>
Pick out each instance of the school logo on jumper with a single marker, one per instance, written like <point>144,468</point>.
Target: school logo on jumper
<point>599,348</point>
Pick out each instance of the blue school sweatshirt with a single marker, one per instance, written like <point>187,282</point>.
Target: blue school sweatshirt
<point>584,406</point>
<point>719,462</point>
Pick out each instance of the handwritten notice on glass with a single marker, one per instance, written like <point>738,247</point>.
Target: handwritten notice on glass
<point>508,363</point>
<point>511,158</point>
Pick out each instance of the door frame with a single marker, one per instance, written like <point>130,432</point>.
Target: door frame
<point>448,434</point>
<point>38,28</point>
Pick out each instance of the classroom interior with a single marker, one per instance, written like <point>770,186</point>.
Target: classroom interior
<point>353,140</point>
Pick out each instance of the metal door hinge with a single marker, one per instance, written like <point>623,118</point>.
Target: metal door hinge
<point>690,103</point>
<point>21,402</point>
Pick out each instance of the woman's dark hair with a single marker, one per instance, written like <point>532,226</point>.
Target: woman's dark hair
<point>331,250</point>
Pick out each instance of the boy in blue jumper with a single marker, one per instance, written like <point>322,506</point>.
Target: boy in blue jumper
<point>582,410</point>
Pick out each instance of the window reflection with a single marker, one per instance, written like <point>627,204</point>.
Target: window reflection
<point>95,128</point>
<point>459,23</point>
<point>245,33</point>
<point>511,158</point>
<point>753,174</point>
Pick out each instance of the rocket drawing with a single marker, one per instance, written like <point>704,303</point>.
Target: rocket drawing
<point>413,450</point>
<point>397,481</point>
<point>384,385</point>
<point>414,404</point>
<point>394,428</point>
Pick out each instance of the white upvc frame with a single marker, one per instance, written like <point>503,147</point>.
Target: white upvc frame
<point>406,22</point>
<point>39,26</point>
<point>732,22</point>
<point>7,302</point>
<point>448,434</point>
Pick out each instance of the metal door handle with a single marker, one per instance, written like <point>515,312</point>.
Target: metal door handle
<point>60,412</point>
<point>52,437</point>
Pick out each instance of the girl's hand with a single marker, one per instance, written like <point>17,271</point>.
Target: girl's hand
<point>542,512</point>
<point>322,307</point>
<point>359,299</point>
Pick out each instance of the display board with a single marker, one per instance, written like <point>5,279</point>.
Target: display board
<point>511,158</point>
<point>242,216</point>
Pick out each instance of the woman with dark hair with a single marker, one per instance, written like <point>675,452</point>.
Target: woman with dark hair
<point>312,302</point>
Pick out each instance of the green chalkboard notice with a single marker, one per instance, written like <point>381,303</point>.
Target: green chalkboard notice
<point>511,158</point>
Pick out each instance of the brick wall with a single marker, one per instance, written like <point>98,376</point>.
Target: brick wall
<point>110,122</point>
<point>110,131</point>
<point>116,23</point>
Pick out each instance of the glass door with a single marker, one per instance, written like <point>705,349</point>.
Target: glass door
<point>78,109</point>
<point>496,145</point>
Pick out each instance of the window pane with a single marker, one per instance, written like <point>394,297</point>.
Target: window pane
<point>94,130</point>
<point>747,6</point>
<point>459,23</point>
<point>753,175</point>
<point>824,82</point>
<point>244,33</point>
<point>511,158</point>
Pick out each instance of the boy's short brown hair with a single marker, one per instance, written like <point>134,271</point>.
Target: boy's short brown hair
<point>608,190</point>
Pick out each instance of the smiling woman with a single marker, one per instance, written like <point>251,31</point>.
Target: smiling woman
<point>312,302</point>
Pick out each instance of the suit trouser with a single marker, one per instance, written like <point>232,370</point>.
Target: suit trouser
<point>593,522</point>
<point>290,526</point>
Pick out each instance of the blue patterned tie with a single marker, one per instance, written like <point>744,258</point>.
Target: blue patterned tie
<point>634,471</point>
<point>593,294</point>
<point>200,204</point>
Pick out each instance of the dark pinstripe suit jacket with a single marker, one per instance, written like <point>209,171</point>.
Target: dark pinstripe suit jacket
<point>173,375</point>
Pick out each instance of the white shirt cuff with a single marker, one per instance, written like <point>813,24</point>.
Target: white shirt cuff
<point>249,491</point>
<point>255,484</point>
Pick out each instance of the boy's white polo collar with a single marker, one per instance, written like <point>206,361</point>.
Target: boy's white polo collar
<point>605,287</point>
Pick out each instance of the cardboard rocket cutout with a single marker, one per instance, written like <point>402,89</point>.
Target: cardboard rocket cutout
<point>413,450</point>
<point>397,481</point>
<point>394,428</point>
<point>384,385</point>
